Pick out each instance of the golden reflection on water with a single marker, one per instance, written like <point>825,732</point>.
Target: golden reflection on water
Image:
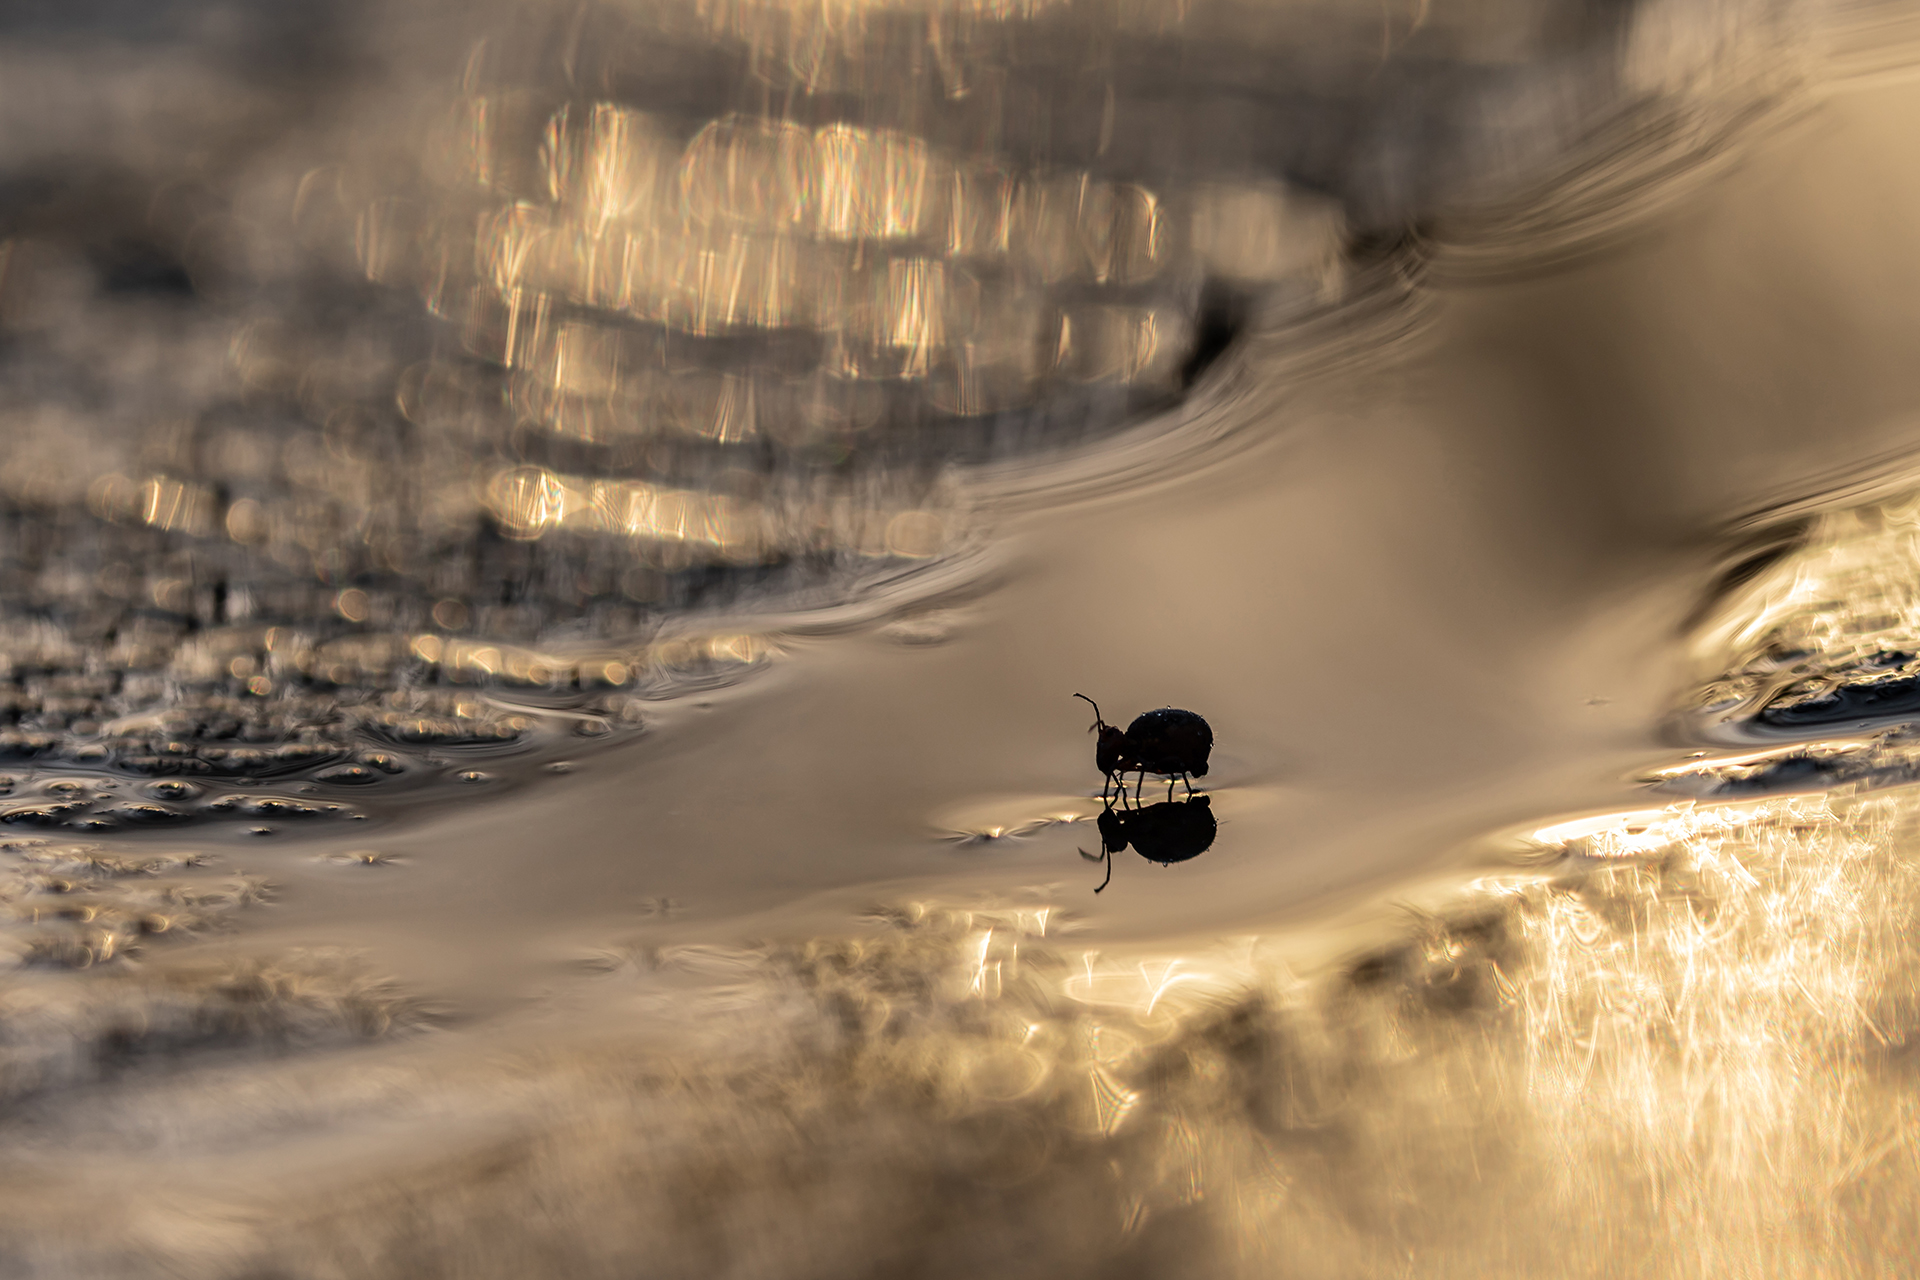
<point>159,501</point>
<point>1678,1049</point>
<point>487,661</point>
<point>762,224</point>
<point>752,217</point>
<point>784,288</point>
<point>1688,1058</point>
<point>1842,610</point>
<point>983,283</point>
<point>530,502</point>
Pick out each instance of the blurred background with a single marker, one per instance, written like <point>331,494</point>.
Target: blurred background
<point>545,550</point>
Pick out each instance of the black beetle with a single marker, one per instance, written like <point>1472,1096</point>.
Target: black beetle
<point>1168,741</point>
<point>1167,832</point>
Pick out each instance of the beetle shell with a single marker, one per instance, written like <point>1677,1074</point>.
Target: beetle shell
<point>1169,741</point>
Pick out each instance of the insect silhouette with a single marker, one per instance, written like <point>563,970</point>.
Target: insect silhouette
<point>1169,741</point>
<point>1166,832</point>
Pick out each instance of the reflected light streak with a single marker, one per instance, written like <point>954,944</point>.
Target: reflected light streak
<point>1645,831</point>
<point>1841,612</point>
<point>871,184</point>
<point>159,502</point>
<point>518,665</point>
<point>1683,1040</point>
<point>532,502</point>
<point>762,224</point>
<point>1113,1102</point>
<point>1746,760</point>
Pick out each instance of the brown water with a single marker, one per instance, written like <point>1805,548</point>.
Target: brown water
<point>791,967</point>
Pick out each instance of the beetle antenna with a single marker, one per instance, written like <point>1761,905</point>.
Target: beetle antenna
<point>1099,721</point>
<point>1107,855</point>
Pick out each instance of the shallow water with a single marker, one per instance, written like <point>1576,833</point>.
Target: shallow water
<point>610,801</point>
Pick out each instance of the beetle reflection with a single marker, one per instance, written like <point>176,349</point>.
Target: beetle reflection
<point>1167,832</point>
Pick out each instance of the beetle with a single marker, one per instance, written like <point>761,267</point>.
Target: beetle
<point>1168,741</point>
<point>1166,832</point>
